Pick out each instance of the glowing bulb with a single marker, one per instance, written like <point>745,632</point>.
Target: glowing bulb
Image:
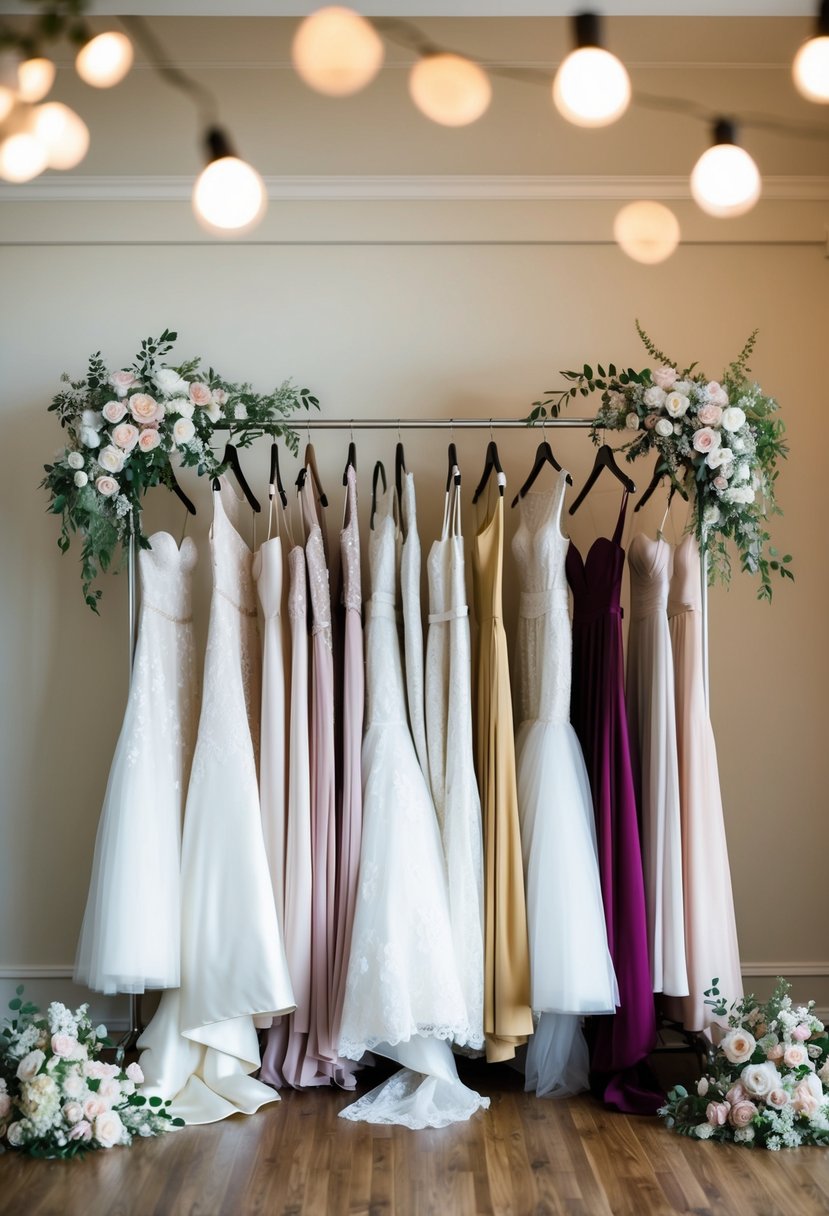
<point>591,88</point>
<point>725,180</point>
<point>7,100</point>
<point>22,157</point>
<point>811,69</point>
<point>646,231</point>
<point>105,60</point>
<point>336,51</point>
<point>35,78</point>
<point>450,89</point>
<point>63,135</point>
<point>229,195</point>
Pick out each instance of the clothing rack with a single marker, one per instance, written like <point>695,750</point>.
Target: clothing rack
<point>393,424</point>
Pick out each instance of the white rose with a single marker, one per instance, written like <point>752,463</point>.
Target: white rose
<point>121,381</point>
<point>738,1045</point>
<point>80,479</point>
<point>101,1031</point>
<point>181,405</point>
<point>108,1129</point>
<point>684,387</point>
<point>738,444</point>
<point>733,418</point>
<point>111,459</point>
<point>719,456</point>
<point>73,1112</point>
<point>107,486</point>
<point>15,1134</point>
<point>760,1079</point>
<point>655,397</point>
<point>631,422</point>
<point>89,437</point>
<point>135,1074</point>
<point>29,1065</point>
<point>739,494</point>
<point>214,412</point>
<point>676,404</point>
<point>664,428</point>
<point>183,430</point>
<point>74,460</point>
<point>219,396</point>
<point>704,1131</point>
<point>741,473</point>
<point>711,516</point>
<point>73,1085</point>
<point>114,411</point>
<point>702,1086</point>
<point>743,1134</point>
<point>169,381</point>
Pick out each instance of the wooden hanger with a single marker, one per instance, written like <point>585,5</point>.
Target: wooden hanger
<point>543,455</point>
<point>492,462</point>
<point>231,459</point>
<point>379,473</point>
<point>660,470</point>
<point>275,477</point>
<point>454,468</point>
<point>605,459</point>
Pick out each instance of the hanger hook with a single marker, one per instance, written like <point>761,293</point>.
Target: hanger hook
<point>399,436</point>
<point>451,430</point>
<point>308,428</point>
<point>351,431</point>
<point>491,436</point>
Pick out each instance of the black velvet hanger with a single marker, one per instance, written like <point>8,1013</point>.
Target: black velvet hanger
<point>605,459</point>
<point>231,459</point>
<point>492,462</point>
<point>311,465</point>
<point>179,493</point>
<point>543,455</point>
<point>454,468</point>
<point>379,473</point>
<point>399,468</point>
<point>351,461</point>
<point>660,470</point>
<point>275,477</point>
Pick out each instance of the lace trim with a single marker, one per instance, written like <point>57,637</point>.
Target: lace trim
<point>462,1036</point>
<point>364,1111</point>
<point>239,607</point>
<point>451,614</point>
<point>534,604</point>
<point>177,620</point>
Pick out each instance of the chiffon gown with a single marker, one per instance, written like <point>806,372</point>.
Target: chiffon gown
<point>201,1047</point>
<point>649,691</point>
<point>570,965</point>
<point>403,996</point>
<point>129,944</point>
<point>620,1044</point>
<point>507,1015</point>
<point>448,681</point>
<point>412,620</point>
<point>710,928</point>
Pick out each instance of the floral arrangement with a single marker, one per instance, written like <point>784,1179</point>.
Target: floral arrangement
<point>127,429</point>
<point>57,1098</point>
<point>768,1083</point>
<point>720,439</point>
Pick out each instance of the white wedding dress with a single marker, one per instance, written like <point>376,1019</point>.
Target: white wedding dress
<point>412,619</point>
<point>201,1047</point>
<point>127,943</point>
<point>403,996</point>
<point>451,765</point>
<point>571,969</point>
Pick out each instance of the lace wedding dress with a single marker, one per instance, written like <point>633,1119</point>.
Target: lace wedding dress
<point>570,965</point>
<point>129,944</point>
<point>201,1047</point>
<point>403,997</point>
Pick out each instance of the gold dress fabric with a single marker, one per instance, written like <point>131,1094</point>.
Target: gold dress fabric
<point>507,1014</point>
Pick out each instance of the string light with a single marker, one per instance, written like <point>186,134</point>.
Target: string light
<point>62,133</point>
<point>591,87</point>
<point>229,195</point>
<point>811,63</point>
<point>35,78</point>
<point>105,60</point>
<point>725,180</point>
<point>22,157</point>
<point>646,231</point>
<point>336,51</point>
<point>450,89</point>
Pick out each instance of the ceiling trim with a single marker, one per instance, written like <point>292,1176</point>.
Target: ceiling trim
<point>400,188</point>
<point>442,8</point>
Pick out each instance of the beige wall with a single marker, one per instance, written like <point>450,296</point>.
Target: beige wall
<point>418,307</point>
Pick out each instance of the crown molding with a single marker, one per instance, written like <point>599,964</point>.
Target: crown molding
<point>412,188</point>
<point>440,8</point>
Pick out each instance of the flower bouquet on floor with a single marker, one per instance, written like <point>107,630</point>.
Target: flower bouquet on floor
<point>57,1098</point>
<point>768,1081</point>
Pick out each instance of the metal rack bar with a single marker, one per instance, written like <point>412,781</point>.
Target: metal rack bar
<point>420,424</point>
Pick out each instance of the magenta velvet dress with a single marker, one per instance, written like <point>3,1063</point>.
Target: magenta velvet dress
<point>621,1043</point>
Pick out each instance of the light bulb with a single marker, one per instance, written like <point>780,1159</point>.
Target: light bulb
<point>811,69</point>
<point>7,100</point>
<point>336,51</point>
<point>22,157</point>
<point>229,195</point>
<point>591,87</point>
<point>35,78</point>
<point>62,133</point>
<point>450,89</point>
<point>725,180</point>
<point>105,60</point>
<point>646,231</point>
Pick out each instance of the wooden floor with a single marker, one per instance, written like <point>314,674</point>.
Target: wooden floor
<point>523,1156</point>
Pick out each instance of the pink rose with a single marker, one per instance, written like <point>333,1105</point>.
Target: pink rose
<point>710,415</point>
<point>717,1113</point>
<point>801,1032</point>
<point>109,1129</point>
<point>73,1112</point>
<point>778,1098</point>
<point>219,396</point>
<point>121,381</point>
<point>63,1045</point>
<point>93,1107</point>
<point>706,439</point>
<point>742,1114</point>
<point>145,408</point>
<point>94,1069</point>
<point>107,486</point>
<point>114,411</point>
<point>664,377</point>
<point>81,1131</point>
<point>125,436</point>
<point>716,393</point>
<point>109,1090</point>
<point>736,1094</point>
<point>650,421</point>
<point>720,482</point>
<point>776,1052</point>
<point>795,1055</point>
<point>135,1074</point>
<point>200,394</point>
<point>149,439</point>
<point>804,1101</point>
